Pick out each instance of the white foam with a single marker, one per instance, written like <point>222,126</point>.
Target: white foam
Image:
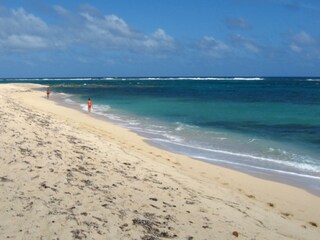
<point>173,138</point>
<point>152,131</point>
<point>222,138</point>
<point>182,126</point>
<point>201,78</point>
<point>256,167</point>
<point>101,108</point>
<point>51,79</point>
<point>295,165</point>
<point>84,107</point>
<point>64,95</point>
<point>113,117</point>
<point>98,109</point>
<point>27,79</point>
<point>158,126</point>
<point>249,79</point>
<point>313,80</point>
<point>73,79</point>
<point>146,79</point>
<point>68,100</point>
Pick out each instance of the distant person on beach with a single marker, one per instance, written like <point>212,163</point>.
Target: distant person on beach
<point>48,92</point>
<point>89,105</point>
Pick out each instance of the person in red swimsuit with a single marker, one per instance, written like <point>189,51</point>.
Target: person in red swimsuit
<point>89,105</point>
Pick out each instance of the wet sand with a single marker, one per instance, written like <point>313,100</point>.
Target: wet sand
<point>66,175</point>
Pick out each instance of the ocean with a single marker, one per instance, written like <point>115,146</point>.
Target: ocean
<point>264,126</point>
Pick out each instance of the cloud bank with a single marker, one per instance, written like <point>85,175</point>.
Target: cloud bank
<point>23,31</point>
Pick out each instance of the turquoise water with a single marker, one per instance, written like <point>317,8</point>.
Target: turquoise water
<point>268,127</point>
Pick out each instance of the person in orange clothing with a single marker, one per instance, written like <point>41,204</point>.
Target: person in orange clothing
<point>89,105</point>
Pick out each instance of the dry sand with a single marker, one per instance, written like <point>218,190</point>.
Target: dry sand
<point>67,175</point>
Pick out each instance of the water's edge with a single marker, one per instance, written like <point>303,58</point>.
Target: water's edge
<point>279,177</point>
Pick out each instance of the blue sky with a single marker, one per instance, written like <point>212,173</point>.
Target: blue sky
<point>159,38</point>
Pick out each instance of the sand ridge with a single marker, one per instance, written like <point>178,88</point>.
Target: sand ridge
<point>65,175</point>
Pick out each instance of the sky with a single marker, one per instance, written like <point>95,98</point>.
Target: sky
<point>114,38</point>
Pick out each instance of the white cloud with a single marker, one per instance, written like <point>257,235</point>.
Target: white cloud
<point>295,48</point>
<point>109,31</point>
<point>159,40</point>
<point>303,38</point>
<point>22,21</point>
<point>246,44</point>
<point>21,30</point>
<point>118,25</point>
<point>19,42</point>
<point>162,36</point>
<point>305,45</point>
<point>215,48</point>
<point>60,10</point>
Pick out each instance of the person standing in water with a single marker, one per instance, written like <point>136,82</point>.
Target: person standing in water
<point>89,105</point>
<point>48,93</point>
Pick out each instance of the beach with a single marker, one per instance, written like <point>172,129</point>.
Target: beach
<point>67,175</point>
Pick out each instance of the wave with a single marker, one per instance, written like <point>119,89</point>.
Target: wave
<point>24,79</point>
<point>97,109</point>
<point>256,167</point>
<point>69,79</point>
<point>201,78</point>
<point>64,95</point>
<point>147,78</point>
<point>76,79</point>
<point>48,79</point>
<point>139,78</point>
<point>313,80</point>
<point>69,100</point>
<point>294,165</point>
<point>182,126</point>
<point>248,79</point>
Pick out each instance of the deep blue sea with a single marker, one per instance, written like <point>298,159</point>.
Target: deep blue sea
<point>268,127</point>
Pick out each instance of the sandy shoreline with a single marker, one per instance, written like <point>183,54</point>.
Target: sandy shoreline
<point>66,175</point>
